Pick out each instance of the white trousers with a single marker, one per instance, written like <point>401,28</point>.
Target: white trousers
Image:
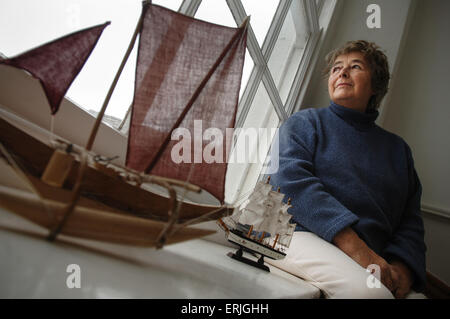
<point>328,268</point>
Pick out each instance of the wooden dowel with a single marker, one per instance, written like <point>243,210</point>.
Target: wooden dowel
<point>224,226</point>
<point>262,236</point>
<point>125,118</point>
<point>114,83</point>
<point>75,196</point>
<point>250,231</point>
<point>275,242</point>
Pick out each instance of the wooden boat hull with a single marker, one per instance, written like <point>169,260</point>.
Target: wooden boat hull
<point>90,223</point>
<point>101,188</point>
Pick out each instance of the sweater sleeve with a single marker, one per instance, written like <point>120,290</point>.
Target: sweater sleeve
<point>407,242</point>
<point>313,207</point>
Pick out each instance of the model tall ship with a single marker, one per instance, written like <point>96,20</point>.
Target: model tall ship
<point>79,193</point>
<point>261,226</point>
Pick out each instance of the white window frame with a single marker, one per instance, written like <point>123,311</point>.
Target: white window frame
<point>248,175</point>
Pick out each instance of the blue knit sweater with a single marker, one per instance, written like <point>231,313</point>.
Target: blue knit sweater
<point>341,169</point>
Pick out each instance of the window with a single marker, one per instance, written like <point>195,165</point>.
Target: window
<point>282,37</point>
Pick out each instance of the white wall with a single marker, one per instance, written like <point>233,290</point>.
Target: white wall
<point>349,23</point>
<point>414,35</point>
<point>419,111</point>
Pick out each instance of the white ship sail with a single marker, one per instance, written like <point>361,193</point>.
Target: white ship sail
<point>284,217</point>
<point>272,205</point>
<point>252,211</point>
<point>285,239</point>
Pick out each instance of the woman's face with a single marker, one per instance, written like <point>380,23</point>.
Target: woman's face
<point>349,83</point>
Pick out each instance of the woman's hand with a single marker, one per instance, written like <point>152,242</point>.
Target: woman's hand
<point>350,243</point>
<point>402,279</point>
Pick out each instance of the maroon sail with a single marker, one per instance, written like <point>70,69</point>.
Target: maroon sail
<point>188,74</point>
<point>57,63</point>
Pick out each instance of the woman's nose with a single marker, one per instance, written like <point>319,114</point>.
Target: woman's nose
<point>344,72</point>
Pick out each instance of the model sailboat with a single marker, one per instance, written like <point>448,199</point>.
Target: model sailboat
<point>262,226</point>
<point>187,70</point>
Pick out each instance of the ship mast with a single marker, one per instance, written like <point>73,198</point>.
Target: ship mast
<point>116,79</point>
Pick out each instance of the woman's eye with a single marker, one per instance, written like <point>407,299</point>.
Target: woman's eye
<point>356,66</point>
<point>335,69</point>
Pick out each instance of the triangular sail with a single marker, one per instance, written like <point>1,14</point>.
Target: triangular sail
<point>57,63</point>
<point>176,55</point>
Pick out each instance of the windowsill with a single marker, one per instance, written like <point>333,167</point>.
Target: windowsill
<point>192,269</point>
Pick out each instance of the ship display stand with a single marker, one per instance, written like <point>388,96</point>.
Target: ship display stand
<point>261,226</point>
<point>238,255</point>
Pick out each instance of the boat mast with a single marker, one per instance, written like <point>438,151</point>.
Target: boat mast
<point>116,79</point>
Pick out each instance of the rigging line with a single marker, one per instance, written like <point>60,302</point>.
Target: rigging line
<point>127,114</point>
<point>176,213</point>
<point>242,197</point>
<point>183,196</point>
<point>198,219</point>
<point>204,216</point>
<point>169,230</point>
<point>52,127</point>
<point>197,92</point>
<point>180,203</point>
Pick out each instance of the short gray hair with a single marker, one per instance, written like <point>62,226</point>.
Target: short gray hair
<point>378,64</point>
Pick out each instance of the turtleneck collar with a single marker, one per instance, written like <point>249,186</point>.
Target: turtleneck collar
<point>359,120</point>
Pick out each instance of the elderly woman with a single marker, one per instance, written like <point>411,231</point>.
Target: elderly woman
<point>355,192</point>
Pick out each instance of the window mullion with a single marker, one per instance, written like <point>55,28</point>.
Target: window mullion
<point>275,28</point>
<point>189,7</point>
<point>271,88</point>
<point>319,7</point>
<point>245,102</point>
<point>239,15</point>
<point>297,91</point>
<point>312,17</point>
<point>238,11</point>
